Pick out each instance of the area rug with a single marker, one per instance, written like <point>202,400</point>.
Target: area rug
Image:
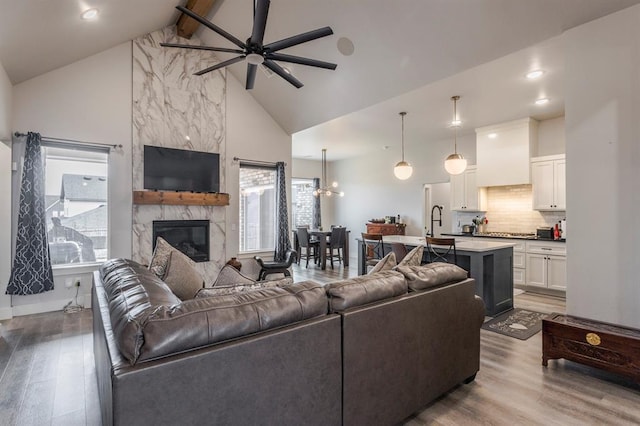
<point>518,323</point>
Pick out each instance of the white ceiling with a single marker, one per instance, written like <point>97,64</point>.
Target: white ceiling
<point>400,47</point>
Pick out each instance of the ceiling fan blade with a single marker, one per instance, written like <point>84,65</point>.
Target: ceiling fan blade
<point>298,39</point>
<point>213,49</point>
<point>211,26</point>
<point>220,65</point>
<point>282,73</point>
<point>251,76</point>
<point>299,60</point>
<point>260,22</point>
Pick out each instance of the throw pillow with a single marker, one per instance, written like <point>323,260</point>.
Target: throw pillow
<point>413,258</point>
<point>231,276</point>
<point>431,274</point>
<point>160,257</point>
<point>224,290</point>
<point>181,276</point>
<point>386,263</point>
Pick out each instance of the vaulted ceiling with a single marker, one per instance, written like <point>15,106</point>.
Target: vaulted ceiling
<point>408,54</point>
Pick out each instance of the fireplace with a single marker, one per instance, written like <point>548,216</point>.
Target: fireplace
<point>189,236</point>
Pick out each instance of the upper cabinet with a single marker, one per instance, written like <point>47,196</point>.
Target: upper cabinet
<point>465,193</point>
<point>504,151</point>
<point>549,179</point>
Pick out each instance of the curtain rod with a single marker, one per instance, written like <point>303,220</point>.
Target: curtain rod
<point>255,162</point>
<point>75,142</point>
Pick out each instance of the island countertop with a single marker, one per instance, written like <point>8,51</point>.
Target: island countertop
<point>476,246</point>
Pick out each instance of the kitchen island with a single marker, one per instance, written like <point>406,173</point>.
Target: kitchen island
<point>489,263</point>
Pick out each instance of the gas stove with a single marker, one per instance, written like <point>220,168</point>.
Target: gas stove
<point>518,235</point>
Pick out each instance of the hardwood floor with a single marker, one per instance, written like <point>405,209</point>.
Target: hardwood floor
<point>47,376</point>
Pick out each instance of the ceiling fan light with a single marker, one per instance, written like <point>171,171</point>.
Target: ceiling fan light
<point>255,59</point>
<point>403,170</point>
<point>455,164</point>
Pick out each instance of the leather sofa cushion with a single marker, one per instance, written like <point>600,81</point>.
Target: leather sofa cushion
<point>149,321</point>
<point>365,289</point>
<point>431,274</point>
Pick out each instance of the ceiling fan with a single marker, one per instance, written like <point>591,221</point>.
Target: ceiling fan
<point>254,51</point>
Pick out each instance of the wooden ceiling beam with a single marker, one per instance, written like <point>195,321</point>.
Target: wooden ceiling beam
<point>186,26</point>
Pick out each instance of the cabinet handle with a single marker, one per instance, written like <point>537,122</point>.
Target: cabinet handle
<point>545,248</point>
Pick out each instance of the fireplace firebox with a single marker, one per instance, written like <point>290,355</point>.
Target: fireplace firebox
<point>191,237</point>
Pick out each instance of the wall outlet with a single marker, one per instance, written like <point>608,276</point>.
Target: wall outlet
<point>76,282</point>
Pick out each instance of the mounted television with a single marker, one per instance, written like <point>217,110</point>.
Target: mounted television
<point>169,169</point>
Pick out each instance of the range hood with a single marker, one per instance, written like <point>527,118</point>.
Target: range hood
<point>504,151</point>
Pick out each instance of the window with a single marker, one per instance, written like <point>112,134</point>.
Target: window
<point>76,204</point>
<point>257,208</point>
<point>302,202</point>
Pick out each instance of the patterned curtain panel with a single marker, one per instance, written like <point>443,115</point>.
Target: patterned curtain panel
<point>317,219</point>
<point>282,219</point>
<point>31,272</point>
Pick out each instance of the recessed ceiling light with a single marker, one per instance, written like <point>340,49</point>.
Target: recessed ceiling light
<point>492,135</point>
<point>455,123</point>
<point>534,74</point>
<point>89,14</point>
<point>542,101</point>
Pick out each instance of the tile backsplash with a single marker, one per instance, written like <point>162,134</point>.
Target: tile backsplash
<point>509,210</point>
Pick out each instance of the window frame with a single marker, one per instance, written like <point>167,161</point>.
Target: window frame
<point>242,208</point>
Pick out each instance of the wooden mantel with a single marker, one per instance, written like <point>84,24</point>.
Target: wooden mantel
<point>173,198</point>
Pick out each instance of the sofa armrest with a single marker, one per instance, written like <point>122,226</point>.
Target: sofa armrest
<point>479,304</point>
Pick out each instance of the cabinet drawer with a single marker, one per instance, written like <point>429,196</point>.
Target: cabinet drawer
<point>547,247</point>
<point>520,246</point>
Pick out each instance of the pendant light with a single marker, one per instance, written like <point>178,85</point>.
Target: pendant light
<point>455,163</point>
<point>403,170</point>
<point>324,187</point>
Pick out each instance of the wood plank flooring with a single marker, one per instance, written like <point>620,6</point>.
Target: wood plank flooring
<point>47,376</point>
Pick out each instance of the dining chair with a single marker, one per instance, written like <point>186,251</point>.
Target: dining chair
<point>440,249</point>
<point>307,247</point>
<point>336,243</point>
<point>400,250</point>
<point>373,248</point>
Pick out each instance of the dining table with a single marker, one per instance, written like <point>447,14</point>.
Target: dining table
<point>322,236</point>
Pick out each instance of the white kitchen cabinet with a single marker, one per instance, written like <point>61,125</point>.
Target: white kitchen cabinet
<point>465,193</point>
<point>503,152</point>
<point>546,265</point>
<point>548,176</point>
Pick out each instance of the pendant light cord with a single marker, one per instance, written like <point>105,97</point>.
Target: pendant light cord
<point>402,114</point>
<point>455,127</point>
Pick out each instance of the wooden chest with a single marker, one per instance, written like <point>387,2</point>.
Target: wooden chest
<point>609,347</point>
<point>386,228</point>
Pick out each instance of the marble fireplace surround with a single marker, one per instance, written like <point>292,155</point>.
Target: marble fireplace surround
<point>174,109</point>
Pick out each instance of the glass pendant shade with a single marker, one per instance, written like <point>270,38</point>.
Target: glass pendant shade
<point>403,170</point>
<point>455,164</point>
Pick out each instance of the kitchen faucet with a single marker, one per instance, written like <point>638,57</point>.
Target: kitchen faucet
<point>433,220</point>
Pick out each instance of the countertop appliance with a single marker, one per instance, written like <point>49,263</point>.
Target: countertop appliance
<point>544,233</point>
<point>468,229</point>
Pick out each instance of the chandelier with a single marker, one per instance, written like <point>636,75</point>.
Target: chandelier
<point>455,163</point>
<point>325,189</point>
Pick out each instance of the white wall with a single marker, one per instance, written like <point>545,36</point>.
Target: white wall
<point>251,134</point>
<point>5,189</point>
<point>89,100</point>
<point>5,105</point>
<point>551,137</point>
<point>603,168</point>
<point>313,169</point>
<point>372,191</point>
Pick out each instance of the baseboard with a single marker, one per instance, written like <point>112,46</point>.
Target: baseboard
<point>6,313</point>
<point>84,300</point>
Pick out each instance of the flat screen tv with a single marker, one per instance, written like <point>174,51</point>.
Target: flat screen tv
<point>169,169</point>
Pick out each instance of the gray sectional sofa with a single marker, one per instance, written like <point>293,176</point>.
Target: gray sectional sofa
<point>368,350</point>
